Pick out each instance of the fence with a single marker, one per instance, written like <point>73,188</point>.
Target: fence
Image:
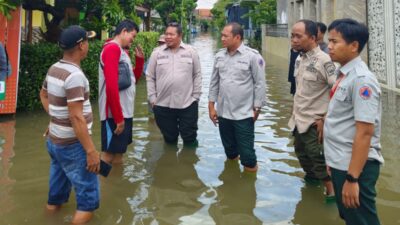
<point>277,30</point>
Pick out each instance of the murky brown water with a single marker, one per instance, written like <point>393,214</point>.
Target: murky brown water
<point>161,184</point>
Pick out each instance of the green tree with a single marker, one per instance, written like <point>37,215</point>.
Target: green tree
<point>263,12</point>
<point>7,6</point>
<point>218,12</point>
<point>176,10</point>
<point>99,14</point>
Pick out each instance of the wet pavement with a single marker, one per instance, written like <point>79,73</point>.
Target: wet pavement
<point>162,184</point>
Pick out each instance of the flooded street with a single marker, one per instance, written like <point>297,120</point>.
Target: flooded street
<point>161,184</point>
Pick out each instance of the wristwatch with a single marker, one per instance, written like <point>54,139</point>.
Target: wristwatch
<point>257,109</point>
<point>351,179</point>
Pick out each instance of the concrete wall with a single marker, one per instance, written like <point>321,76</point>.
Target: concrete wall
<point>277,46</point>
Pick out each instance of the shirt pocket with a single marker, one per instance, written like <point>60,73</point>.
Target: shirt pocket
<point>162,66</point>
<point>242,72</point>
<point>310,84</point>
<point>186,65</point>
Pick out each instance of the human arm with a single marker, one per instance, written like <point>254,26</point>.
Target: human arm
<point>213,94</point>
<point>139,63</point>
<point>76,89</point>
<point>151,78</point>
<point>366,102</point>
<point>44,98</point>
<point>258,74</point>
<point>79,125</point>
<point>196,77</point>
<point>110,57</point>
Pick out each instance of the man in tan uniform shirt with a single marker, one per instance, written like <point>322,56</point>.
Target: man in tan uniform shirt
<point>174,86</point>
<point>314,73</point>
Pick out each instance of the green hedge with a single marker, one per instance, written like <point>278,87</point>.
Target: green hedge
<point>37,58</point>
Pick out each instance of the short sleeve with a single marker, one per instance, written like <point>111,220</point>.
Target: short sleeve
<point>329,69</point>
<point>366,99</point>
<point>75,87</point>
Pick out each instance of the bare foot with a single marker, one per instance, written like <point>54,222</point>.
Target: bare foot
<point>251,169</point>
<point>53,208</point>
<point>81,217</point>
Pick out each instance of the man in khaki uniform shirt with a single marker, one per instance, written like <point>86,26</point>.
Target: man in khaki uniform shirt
<point>174,86</point>
<point>314,72</point>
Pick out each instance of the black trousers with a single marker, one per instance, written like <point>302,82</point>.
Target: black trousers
<point>173,122</point>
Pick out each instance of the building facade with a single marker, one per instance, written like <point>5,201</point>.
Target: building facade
<point>381,16</point>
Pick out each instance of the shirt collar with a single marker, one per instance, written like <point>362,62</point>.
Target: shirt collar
<point>345,69</point>
<point>241,49</point>
<point>311,52</point>
<point>182,45</point>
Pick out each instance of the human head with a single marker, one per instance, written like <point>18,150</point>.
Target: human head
<point>321,31</point>
<point>173,35</point>
<point>232,35</point>
<point>126,32</point>
<point>304,35</point>
<point>161,39</point>
<point>74,40</point>
<point>347,39</point>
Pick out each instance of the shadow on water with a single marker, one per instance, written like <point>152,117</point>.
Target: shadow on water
<point>162,184</point>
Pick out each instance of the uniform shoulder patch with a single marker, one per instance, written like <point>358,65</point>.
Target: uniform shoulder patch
<point>365,92</point>
<point>330,68</point>
<point>261,62</point>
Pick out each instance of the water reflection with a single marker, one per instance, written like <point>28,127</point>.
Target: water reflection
<point>175,187</point>
<point>236,185</point>
<point>7,135</point>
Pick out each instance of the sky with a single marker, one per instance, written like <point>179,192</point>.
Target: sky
<point>205,4</point>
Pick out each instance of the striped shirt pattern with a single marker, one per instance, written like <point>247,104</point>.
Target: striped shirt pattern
<point>65,82</point>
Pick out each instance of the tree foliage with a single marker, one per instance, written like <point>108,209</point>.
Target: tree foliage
<point>261,12</point>
<point>101,14</point>
<point>218,12</point>
<point>7,6</point>
<point>176,10</point>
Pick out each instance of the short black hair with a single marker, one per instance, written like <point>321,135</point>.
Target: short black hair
<point>351,31</point>
<point>177,26</point>
<point>237,29</point>
<point>321,26</point>
<point>310,27</point>
<point>127,24</point>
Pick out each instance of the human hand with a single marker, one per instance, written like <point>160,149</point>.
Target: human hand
<point>320,129</point>
<point>139,52</point>
<point>120,128</point>
<point>93,161</point>
<point>328,171</point>
<point>350,195</point>
<point>213,115</point>
<point>256,113</point>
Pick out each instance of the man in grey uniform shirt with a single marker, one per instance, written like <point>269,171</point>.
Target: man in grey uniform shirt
<point>174,86</point>
<point>238,87</point>
<point>353,126</point>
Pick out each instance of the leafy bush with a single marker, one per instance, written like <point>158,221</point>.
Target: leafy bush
<point>37,58</point>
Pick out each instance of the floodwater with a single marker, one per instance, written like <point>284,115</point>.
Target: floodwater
<point>160,184</point>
